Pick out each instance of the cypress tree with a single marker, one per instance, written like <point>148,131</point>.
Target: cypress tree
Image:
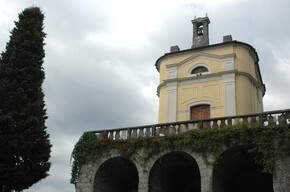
<point>24,143</point>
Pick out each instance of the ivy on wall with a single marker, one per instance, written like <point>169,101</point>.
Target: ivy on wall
<point>262,142</point>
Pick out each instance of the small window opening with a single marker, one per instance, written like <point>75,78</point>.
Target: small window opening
<point>200,30</point>
<point>199,70</point>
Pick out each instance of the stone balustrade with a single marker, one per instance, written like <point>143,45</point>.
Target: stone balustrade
<point>270,118</point>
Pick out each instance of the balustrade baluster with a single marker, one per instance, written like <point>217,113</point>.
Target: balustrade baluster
<point>141,132</point>
<point>147,132</point>
<point>282,119</point>
<point>287,117</point>
<point>183,128</point>
<point>111,135</point>
<point>153,131</point>
<point>271,120</point>
<point>123,135</point>
<point>223,123</point>
<point>207,124</point>
<point>215,124</point>
<point>229,121</point>
<point>177,127</point>
<point>134,134</point>
<point>117,136</point>
<point>165,130</point>
<point>171,129</point>
<point>157,131</point>
<point>253,119</point>
<point>245,120</point>
<point>129,133</point>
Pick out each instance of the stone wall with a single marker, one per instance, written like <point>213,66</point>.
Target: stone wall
<point>88,180</point>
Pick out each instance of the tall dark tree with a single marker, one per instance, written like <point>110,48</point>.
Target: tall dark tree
<point>24,143</point>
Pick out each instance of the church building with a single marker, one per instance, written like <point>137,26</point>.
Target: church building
<point>209,81</point>
<point>203,91</point>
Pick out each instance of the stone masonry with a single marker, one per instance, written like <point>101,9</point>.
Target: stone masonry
<point>86,181</point>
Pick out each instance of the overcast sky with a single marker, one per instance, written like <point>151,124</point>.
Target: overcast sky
<point>100,57</point>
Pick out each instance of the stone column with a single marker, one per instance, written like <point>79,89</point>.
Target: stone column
<point>281,177</point>
<point>85,179</point>
<point>143,181</point>
<point>206,174</point>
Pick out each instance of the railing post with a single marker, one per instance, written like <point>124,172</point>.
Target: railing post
<point>128,133</point>
<point>200,124</point>
<point>229,121</point>
<point>153,131</point>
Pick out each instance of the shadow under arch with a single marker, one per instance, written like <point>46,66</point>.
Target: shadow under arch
<point>237,172</point>
<point>116,175</point>
<point>175,172</point>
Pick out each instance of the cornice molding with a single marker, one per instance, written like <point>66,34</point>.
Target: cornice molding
<point>208,77</point>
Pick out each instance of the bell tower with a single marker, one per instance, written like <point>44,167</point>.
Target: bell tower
<point>209,81</point>
<point>200,32</point>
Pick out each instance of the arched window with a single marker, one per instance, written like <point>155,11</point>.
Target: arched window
<point>199,70</point>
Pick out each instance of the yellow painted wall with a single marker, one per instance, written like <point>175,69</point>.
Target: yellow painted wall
<point>243,60</point>
<point>192,93</point>
<point>162,105</point>
<point>208,91</point>
<point>244,95</point>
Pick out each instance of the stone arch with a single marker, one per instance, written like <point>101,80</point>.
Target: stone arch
<point>116,174</point>
<point>237,172</point>
<point>175,171</point>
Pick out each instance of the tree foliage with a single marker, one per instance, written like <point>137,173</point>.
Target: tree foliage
<point>24,143</point>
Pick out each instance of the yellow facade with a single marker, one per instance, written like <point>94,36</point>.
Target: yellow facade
<point>231,86</point>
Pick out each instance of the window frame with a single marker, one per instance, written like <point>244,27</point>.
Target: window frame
<point>199,65</point>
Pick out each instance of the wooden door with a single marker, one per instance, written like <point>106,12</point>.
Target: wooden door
<point>200,112</point>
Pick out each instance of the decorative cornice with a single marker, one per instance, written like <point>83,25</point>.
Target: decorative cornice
<point>200,54</point>
<point>198,49</point>
<point>209,77</point>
